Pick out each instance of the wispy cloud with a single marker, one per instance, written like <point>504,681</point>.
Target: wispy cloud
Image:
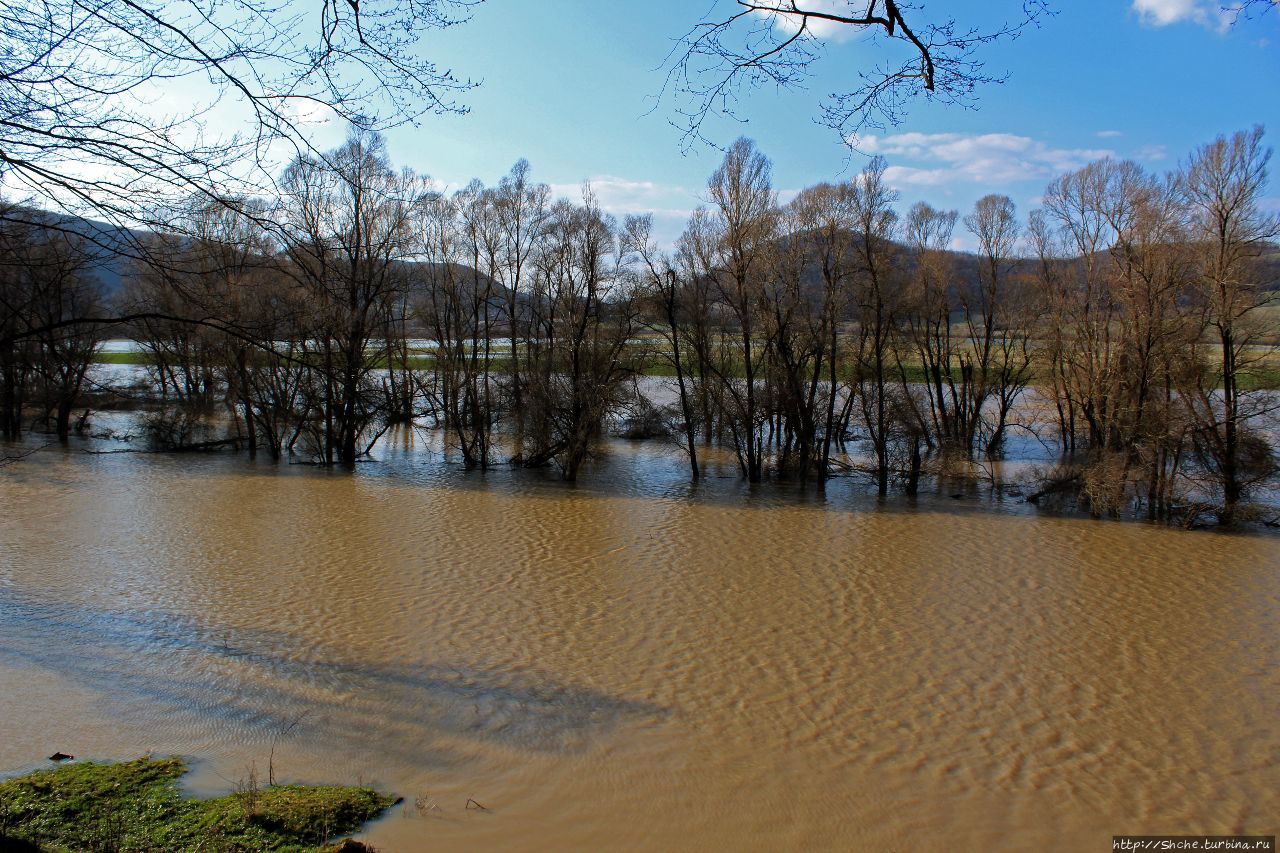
<point>1212,14</point>
<point>1108,134</point>
<point>623,196</point>
<point>670,204</point>
<point>941,159</point>
<point>1149,153</point>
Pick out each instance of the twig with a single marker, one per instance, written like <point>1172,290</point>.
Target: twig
<point>8,460</point>
<point>284,730</point>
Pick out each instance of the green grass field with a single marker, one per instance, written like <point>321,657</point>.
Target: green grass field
<point>1264,375</point>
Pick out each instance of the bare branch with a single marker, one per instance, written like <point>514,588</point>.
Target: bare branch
<point>777,42</point>
<point>85,127</point>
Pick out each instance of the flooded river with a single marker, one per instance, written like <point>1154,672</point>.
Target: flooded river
<point>635,662</point>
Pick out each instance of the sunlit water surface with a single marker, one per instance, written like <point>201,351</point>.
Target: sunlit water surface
<point>635,662</point>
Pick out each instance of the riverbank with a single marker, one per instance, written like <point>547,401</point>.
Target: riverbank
<point>136,805</point>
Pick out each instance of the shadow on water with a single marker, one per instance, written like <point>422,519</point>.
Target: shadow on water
<point>253,683</point>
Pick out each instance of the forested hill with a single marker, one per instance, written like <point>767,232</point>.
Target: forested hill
<point>113,248</point>
<point>110,248</point>
<point>113,251</point>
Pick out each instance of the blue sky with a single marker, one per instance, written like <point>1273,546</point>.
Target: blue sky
<point>571,86</point>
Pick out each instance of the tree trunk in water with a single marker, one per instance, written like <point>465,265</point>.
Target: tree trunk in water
<point>913,479</point>
<point>64,420</point>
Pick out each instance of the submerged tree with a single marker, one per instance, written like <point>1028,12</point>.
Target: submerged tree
<point>45,280</point>
<point>998,316</point>
<point>458,306</point>
<point>350,223</point>
<point>1222,186</point>
<point>1152,331</point>
<point>820,239</point>
<point>876,296</point>
<point>664,289</point>
<point>927,332</point>
<point>581,320</point>
<point>746,222</point>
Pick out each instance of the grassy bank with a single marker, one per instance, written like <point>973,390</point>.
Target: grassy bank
<point>136,805</point>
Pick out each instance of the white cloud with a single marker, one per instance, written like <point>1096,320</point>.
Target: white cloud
<point>988,159</point>
<point>1149,153</point>
<point>306,112</point>
<point>1108,134</point>
<point>670,204</point>
<point>908,176</point>
<point>818,27</point>
<point>786,196</point>
<point>1206,13</point>
<point>622,196</point>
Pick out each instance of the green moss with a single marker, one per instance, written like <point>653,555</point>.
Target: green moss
<point>136,805</point>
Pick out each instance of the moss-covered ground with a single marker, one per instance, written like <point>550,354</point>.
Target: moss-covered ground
<point>136,805</point>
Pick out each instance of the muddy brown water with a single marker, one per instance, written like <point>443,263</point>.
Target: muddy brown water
<point>636,663</point>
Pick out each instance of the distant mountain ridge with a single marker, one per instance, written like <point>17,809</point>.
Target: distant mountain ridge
<point>111,256</point>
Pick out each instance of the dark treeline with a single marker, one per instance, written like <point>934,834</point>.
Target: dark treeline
<point>1127,323</point>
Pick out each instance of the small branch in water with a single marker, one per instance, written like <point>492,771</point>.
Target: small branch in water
<point>473,804</point>
<point>9,460</point>
<point>283,731</point>
<point>1055,487</point>
<point>426,805</point>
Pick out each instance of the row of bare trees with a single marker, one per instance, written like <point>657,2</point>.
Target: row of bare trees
<point>1127,318</point>
<point>1135,305</point>
<point>1158,339</point>
<point>363,297</point>
<point>801,325</point>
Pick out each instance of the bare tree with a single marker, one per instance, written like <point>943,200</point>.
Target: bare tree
<point>821,233</point>
<point>458,309</point>
<point>696,254</point>
<point>998,321</point>
<point>1222,185</point>
<point>582,319</point>
<point>350,221</point>
<point>746,208</point>
<point>1152,331</point>
<point>76,76</point>
<point>666,290</point>
<point>877,297</point>
<point>44,280</point>
<point>522,211</point>
<point>1246,9</point>
<point>926,318</point>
